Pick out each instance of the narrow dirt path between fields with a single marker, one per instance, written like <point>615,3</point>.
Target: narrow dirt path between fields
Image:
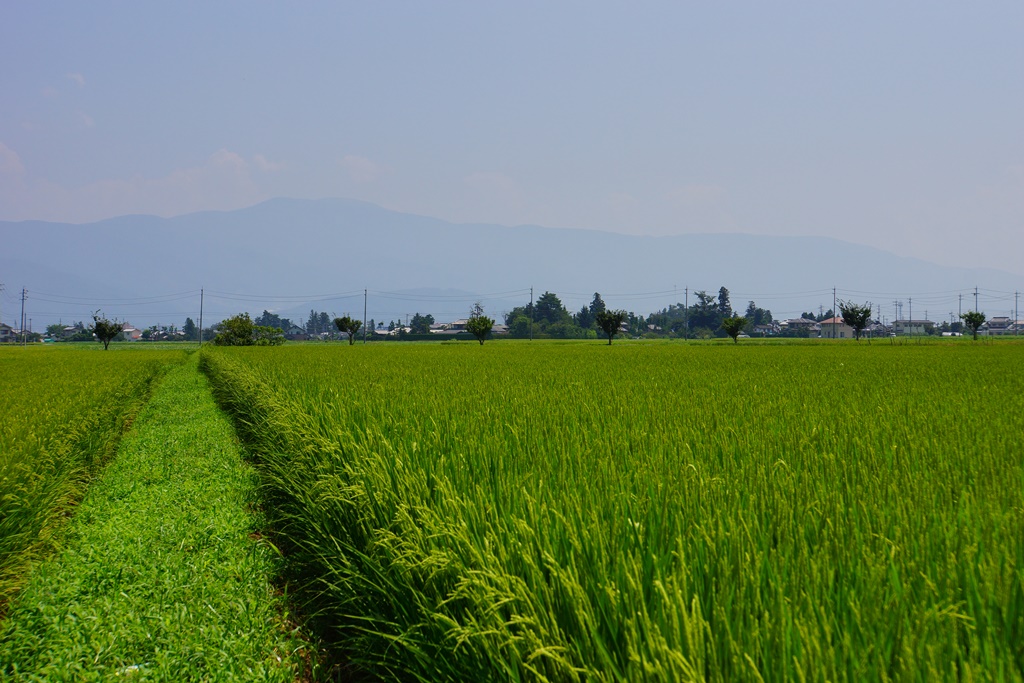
<point>162,576</point>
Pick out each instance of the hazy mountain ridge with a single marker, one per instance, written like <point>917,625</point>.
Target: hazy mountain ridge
<point>306,248</point>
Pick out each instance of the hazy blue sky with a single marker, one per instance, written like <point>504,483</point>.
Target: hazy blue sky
<point>898,125</point>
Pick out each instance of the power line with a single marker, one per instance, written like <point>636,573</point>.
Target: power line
<point>66,299</point>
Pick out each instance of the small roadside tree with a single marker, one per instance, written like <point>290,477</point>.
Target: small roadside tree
<point>973,320</point>
<point>733,325</point>
<point>349,326</point>
<point>237,330</point>
<point>855,316</point>
<point>479,325</point>
<point>105,330</point>
<point>610,322</point>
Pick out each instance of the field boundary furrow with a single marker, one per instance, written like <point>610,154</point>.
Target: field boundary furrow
<point>56,439</point>
<point>163,573</point>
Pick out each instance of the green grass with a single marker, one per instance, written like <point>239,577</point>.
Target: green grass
<point>647,511</point>
<point>63,415</point>
<point>162,575</point>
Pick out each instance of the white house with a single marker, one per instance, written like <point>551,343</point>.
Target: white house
<point>999,326</point>
<point>912,327</point>
<point>835,328</point>
<point>797,325</point>
<point>131,333</point>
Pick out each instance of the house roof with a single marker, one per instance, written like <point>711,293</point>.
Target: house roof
<point>833,320</point>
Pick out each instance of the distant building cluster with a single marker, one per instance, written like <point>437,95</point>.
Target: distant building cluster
<point>835,328</point>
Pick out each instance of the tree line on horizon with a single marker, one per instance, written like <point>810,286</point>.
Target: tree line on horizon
<point>703,319</point>
<point>547,317</point>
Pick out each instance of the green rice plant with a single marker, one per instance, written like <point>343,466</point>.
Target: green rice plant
<point>647,512</point>
<point>63,413</point>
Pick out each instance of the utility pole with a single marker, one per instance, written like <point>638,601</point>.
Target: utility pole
<point>975,299</point>
<point>22,323</point>
<point>364,316</point>
<point>833,312</point>
<point>686,315</point>
<point>200,317</point>
<point>531,314</point>
<point>1016,313</point>
<point>911,302</point>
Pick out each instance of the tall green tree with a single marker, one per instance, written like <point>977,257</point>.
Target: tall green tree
<point>610,322</point>
<point>348,326</point>
<point>584,319</point>
<point>268,319</point>
<point>756,315</point>
<point>550,309</point>
<point>724,307</point>
<point>855,316</point>
<point>519,312</point>
<point>973,320</point>
<point>191,330</point>
<point>420,324</point>
<point>519,327</point>
<point>703,314</point>
<point>241,330</point>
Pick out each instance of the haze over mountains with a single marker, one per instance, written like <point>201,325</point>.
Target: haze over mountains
<point>289,256</point>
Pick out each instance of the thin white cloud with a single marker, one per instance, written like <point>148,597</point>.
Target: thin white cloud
<point>78,78</point>
<point>86,120</point>
<point>265,165</point>
<point>222,182</point>
<point>10,162</point>
<point>361,169</point>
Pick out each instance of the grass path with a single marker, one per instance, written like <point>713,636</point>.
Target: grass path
<point>159,577</point>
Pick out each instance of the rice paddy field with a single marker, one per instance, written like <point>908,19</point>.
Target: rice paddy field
<point>645,512</point>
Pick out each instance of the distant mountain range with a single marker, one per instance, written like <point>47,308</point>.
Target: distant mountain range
<point>290,256</point>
